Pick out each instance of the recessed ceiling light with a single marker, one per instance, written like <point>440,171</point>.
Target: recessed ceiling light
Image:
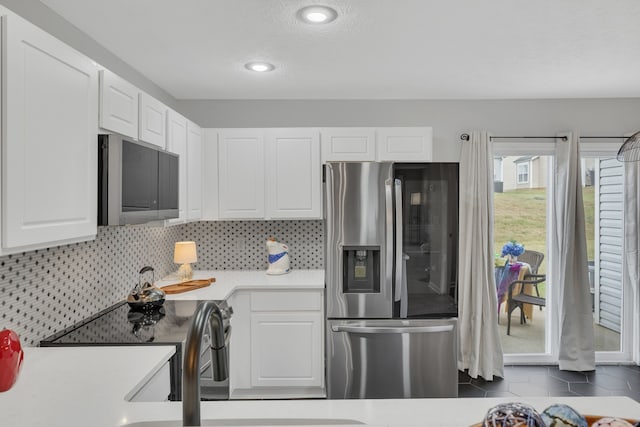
<point>317,14</point>
<point>259,67</point>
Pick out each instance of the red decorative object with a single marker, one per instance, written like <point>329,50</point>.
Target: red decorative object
<point>11,356</point>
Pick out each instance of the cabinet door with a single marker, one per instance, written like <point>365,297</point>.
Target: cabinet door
<point>49,149</point>
<point>293,174</point>
<point>152,128</point>
<point>177,143</point>
<point>286,349</point>
<point>194,171</point>
<point>210,174</point>
<point>241,167</point>
<point>118,105</point>
<point>404,144</point>
<point>348,144</point>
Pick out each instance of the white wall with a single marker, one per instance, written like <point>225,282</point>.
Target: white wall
<point>448,118</point>
<point>40,15</point>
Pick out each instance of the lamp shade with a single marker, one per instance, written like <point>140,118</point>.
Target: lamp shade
<point>185,253</point>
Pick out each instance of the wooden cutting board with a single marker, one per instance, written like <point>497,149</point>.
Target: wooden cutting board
<point>192,285</point>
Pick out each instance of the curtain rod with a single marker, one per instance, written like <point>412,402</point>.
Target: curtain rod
<point>466,137</point>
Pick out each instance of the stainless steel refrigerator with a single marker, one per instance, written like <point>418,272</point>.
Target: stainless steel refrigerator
<point>391,248</point>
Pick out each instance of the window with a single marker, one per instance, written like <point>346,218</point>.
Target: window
<point>523,172</point>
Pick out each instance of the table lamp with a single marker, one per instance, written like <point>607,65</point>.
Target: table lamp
<point>185,253</point>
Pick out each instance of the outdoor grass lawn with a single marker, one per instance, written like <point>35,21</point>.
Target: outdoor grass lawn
<point>521,215</point>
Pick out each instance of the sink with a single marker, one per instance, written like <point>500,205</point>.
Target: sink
<point>254,422</point>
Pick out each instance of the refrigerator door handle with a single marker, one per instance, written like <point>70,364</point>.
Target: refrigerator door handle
<point>391,329</point>
<point>388,193</point>
<point>401,285</point>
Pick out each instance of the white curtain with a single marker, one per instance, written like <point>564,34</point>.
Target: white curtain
<point>632,243</point>
<point>569,266</point>
<point>480,349</point>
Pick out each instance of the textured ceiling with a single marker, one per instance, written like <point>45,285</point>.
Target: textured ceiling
<point>376,49</point>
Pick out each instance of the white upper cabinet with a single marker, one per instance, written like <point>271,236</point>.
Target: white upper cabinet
<point>348,144</point>
<point>177,144</point>
<point>241,168</point>
<point>384,144</point>
<point>49,140</point>
<point>210,175</point>
<point>404,144</point>
<point>152,128</point>
<point>194,171</point>
<point>293,173</point>
<point>118,105</point>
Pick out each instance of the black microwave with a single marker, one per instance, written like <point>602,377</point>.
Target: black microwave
<point>137,182</point>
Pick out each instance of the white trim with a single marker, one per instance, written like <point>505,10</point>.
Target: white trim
<point>552,335</point>
<point>524,149</point>
<point>628,332</point>
<point>596,242</point>
<point>599,149</point>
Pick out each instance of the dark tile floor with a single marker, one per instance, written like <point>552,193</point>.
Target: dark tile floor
<point>521,381</point>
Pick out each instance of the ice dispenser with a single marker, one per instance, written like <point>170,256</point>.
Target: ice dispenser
<point>361,269</point>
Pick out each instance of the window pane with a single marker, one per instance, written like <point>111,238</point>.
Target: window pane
<point>520,214</point>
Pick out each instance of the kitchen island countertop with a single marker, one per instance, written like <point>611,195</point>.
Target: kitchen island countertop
<point>229,281</point>
<point>87,387</point>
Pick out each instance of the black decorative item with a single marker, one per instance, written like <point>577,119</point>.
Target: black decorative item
<point>630,150</point>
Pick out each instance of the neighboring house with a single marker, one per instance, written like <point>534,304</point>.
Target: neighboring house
<point>515,173</point>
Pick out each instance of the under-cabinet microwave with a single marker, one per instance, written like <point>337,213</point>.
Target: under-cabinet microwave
<point>137,182</point>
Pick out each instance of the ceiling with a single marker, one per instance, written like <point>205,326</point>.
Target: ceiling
<point>375,49</point>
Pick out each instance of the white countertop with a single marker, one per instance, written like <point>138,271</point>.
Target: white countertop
<point>229,281</point>
<point>87,386</point>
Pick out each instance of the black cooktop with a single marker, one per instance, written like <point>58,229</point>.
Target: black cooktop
<point>119,325</point>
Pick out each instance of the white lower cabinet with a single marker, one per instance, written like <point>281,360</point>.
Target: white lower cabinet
<point>285,350</point>
<point>277,345</point>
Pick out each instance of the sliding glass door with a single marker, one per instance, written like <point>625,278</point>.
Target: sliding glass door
<point>523,193</point>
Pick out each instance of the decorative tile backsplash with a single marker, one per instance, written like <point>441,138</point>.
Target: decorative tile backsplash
<point>44,291</point>
<point>241,245</point>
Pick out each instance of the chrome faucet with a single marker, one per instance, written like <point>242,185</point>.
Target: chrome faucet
<point>207,312</point>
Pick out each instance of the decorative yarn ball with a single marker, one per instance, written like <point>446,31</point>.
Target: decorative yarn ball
<point>611,422</point>
<point>560,415</point>
<point>512,414</point>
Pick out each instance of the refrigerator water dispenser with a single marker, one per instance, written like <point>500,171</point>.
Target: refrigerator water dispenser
<point>361,269</point>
